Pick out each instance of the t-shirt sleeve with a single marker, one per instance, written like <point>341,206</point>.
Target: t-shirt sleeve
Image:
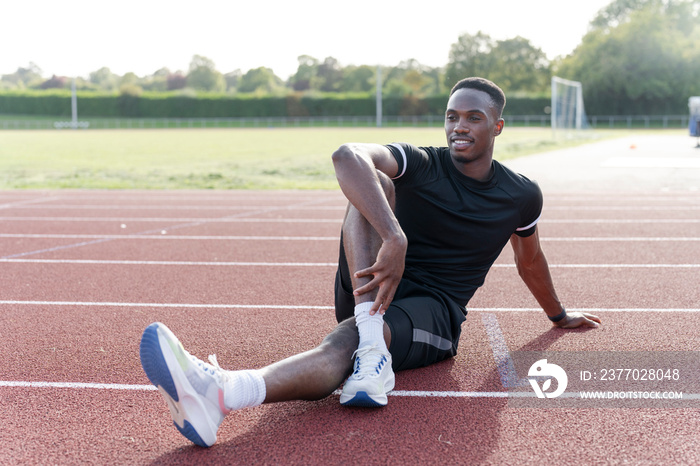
<point>531,210</point>
<point>413,162</point>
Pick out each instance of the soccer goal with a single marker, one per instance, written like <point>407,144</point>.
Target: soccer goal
<point>567,105</point>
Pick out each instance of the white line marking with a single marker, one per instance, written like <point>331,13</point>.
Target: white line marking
<point>159,236</point>
<point>191,263</point>
<point>598,221</point>
<point>179,237</point>
<point>313,264</point>
<point>581,309</point>
<point>310,307</point>
<point>583,239</point>
<point>173,219</point>
<point>101,386</point>
<point>164,305</point>
<point>339,208</point>
<point>404,393</point>
<point>501,354</point>
<point>612,221</point>
<point>116,386</point>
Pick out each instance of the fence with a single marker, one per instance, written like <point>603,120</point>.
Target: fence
<point>613,122</point>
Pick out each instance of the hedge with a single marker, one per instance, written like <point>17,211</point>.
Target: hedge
<point>168,105</point>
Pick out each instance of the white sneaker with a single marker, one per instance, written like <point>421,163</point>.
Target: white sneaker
<point>372,379</point>
<point>194,390</point>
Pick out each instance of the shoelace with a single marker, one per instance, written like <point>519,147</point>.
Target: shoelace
<point>213,369</point>
<point>369,362</point>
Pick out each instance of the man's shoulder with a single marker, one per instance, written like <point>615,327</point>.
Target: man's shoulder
<point>517,180</point>
<point>412,149</point>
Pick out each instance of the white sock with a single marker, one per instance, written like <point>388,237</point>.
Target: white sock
<point>371,328</point>
<point>245,389</point>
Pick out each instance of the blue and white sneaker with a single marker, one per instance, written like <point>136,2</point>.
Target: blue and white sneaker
<point>194,390</point>
<point>371,380</point>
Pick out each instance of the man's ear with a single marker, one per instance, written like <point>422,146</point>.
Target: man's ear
<point>499,126</point>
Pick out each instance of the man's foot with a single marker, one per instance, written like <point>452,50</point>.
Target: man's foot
<point>372,379</point>
<point>194,390</point>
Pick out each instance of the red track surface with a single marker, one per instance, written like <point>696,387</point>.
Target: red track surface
<point>83,273</point>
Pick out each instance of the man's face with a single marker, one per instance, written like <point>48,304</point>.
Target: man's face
<point>471,125</point>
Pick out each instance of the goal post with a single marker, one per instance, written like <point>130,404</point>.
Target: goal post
<point>567,105</point>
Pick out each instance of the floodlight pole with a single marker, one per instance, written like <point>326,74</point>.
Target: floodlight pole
<point>74,106</point>
<point>379,96</point>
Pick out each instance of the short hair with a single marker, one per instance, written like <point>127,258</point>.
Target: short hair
<point>480,84</point>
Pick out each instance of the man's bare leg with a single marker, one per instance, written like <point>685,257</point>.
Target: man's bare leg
<point>315,374</point>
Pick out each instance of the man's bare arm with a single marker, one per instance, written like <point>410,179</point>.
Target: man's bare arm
<point>534,270</point>
<point>356,167</point>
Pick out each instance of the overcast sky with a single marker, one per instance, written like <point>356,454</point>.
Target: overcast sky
<point>75,37</point>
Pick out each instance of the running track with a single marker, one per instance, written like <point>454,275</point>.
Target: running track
<point>248,276</point>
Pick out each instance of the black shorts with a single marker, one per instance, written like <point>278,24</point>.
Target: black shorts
<point>425,325</point>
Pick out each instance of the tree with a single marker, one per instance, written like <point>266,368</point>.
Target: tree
<point>232,79</point>
<point>260,80</point>
<point>520,66</point>
<point>641,61</point>
<point>470,56</point>
<point>56,82</point>
<point>330,75</point>
<point>176,81</point>
<point>358,79</point>
<point>24,77</point>
<point>105,79</point>
<point>306,73</point>
<point>514,64</point>
<point>203,76</point>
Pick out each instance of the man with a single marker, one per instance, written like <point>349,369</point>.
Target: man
<point>422,228</point>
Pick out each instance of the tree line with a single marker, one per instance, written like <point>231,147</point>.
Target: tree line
<point>639,56</point>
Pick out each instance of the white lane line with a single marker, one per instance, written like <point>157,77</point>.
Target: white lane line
<point>201,220</point>
<point>310,307</point>
<point>191,263</point>
<point>313,264</point>
<point>101,386</point>
<point>25,205</point>
<point>501,354</point>
<point>339,208</point>
<point>584,239</point>
<point>118,386</point>
<point>159,236</point>
<point>168,236</point>
<point>163,305</point>
<point>404,393</point>
<point>198,220</point>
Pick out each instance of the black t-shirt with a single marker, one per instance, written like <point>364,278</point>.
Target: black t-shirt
<point>457,226</point>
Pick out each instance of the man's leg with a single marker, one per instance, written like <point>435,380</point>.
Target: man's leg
<point>200,395</point>
<point>372,377</point>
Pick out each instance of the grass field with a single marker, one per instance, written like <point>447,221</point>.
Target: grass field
<point>282,158</point>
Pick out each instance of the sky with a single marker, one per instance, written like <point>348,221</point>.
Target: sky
<point>75,37</point>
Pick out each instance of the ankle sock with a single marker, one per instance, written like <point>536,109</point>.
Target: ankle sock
<point>244,389</point>
<point>371,328</point>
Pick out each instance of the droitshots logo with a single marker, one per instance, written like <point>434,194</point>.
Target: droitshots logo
<point>543,371</point>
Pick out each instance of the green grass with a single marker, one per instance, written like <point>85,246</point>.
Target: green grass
<point>282,158</point>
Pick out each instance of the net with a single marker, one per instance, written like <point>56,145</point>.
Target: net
<point>568,112</point>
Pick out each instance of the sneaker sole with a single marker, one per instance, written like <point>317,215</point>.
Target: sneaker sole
<point>362,399</point>
<point>162,369</point>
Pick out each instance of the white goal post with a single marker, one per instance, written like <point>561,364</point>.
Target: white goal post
<point>567,105</point>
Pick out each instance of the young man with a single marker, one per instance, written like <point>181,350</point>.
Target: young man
<point>422,228</point>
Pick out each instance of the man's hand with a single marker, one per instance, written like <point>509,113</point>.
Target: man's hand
<point>386,274</point>
<point>578,319</point>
